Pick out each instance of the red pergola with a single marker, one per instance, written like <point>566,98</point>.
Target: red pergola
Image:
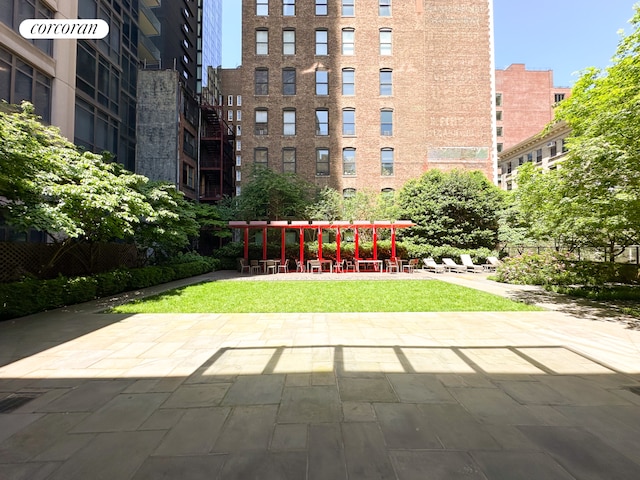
<point>320,225</point>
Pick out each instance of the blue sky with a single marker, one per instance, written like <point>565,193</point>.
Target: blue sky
<point>565,36</point>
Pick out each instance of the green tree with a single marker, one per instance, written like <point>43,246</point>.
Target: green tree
<point>601,174</point>
<point>457,208</point>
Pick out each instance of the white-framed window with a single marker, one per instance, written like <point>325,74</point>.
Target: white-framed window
<point>386,123</point>
<point>348,8</point>
<point>238,130</point>
<point>385,41</point>
<point>348,41</point>
<point>288,8</point>
<point>321,7</point>
<point>262,122</point>
<point>322,122</point>
<point>230,100</point>
<point>348,81</point>
<point>386,82</point>
<point>289,122</point>
<point>238,176</point>
<point>349,162</point>
<point>322,82</point>
<point>262,42</point>
<point>348,122</point>
<point>238,115</point>
<point>238,145</point>
<point>239,100</point>
<point>238,160</point>
<point>289,42</point>
<point>384,8</point>
<point>229,115</point>
<point>322,162</point>
<point>386,162</point>
<point>322,42</point>
<point>262,8</point>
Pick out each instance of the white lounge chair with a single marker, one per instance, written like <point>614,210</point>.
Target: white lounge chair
<point>492,264</point>
<point>431,265</point>
<point>468,262</point>
<point>452,266</point>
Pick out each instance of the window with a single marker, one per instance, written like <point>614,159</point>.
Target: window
<point>288,42</point>
<point>322,39</point>
<point>238,145</point>
<point>238,160</point>
<point>188,175</point>
<point>262,8</point>
<point>553,149</point>
<point>322,162</point>
<point>321,7</point>
<point>509,168</point>
<point>348,193</point>
<point>558,97</point>
<point>539,155</point>
<point>349,162</point>
<point>230,100</point>
<point>520,161</point>
<point>348,39</point>
<point>262,42</point>
<point>387,192</point>
<point>189,144</point>
<point>229,115</point>
<point>261,157</point>
<point>384,8</point>
<point>348,121</point>
<point>289,122</point>
<point>386,86</point>
<point>348,8</point>
<point>564,145</point>
<point>322,82</point>
<point>499,115</point>
<point>499,131</point>
<point>261,127</point>
<point>238,176</point>
<point>500,147</point>
<point>238,130</point>
<point>238,115</point>
<point>261,81</point>
<point>386,162</point>
<point>348,81</point>
<point>289,160</point>
<point>288,8</point>
<point>239,100</point>
<point>498,99</point>
<point>385,41</point>
<point>289,81</point>
<point>530,157</point>
<point>322,122</point>
<point>386,123</point>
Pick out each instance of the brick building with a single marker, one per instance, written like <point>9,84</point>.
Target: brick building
<point>525,100</point>
<point>364,94</point>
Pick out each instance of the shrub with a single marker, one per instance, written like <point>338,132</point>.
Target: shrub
<point>537,269</point>
<point>110,283</point>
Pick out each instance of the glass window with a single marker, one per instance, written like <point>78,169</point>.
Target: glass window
<point>498,99</point>
<point>322,82</point>
<point>386,162</point>
<point>261,127</point>
<point>539,155</point>
<point>348,8</point>
<point>348,193</point>
<point>348,81</point>
<point>499,131</point>
<point>229,115</point>
<point>262,8</point>
<point>384,8</point>
<point>239,100</point>
<point>386,86</point>
<point>289,81</point>
<point>230,100</point>
<point>261,81</point>
<point>322,162</point>
<point>498,115</point>
<point>238,115</point>
<point>289,160</point>
<point>321,7</point>
<point>322,122</point>
<point>261,157</point>
<point>349,161</point>
<point>262,42</point>
<point>348,41</point>
<point>288,42</point>
<point>322,39</point>
<point>385,41</point>
<point>348,122</point>
<point>386,123</point>
<point>288,8</point>
<point>289,122</point>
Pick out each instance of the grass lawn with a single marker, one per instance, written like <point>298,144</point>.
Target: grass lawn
<point>322,296</point>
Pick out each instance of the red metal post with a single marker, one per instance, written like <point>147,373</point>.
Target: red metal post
<point>338,246</point>
<point>246,243</point>
<point>302,246</point>
<point>264,243</point>
<point>375,244</point>
<point>283,239</point>
<point>357,238</point>
<point>393,242</point>
<point>319,243</point>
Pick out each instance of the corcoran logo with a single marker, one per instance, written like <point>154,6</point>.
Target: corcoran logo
<point>42,28</point>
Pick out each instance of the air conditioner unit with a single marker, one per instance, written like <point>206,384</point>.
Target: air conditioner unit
<point>386,133</point>
<point>551,144</point>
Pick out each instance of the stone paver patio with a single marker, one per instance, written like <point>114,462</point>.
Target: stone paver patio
<point>403,396</point>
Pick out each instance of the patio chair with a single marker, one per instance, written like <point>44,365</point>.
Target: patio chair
<point>452,266</point>
<point>271,266</point>
<point>338,267</point>
<point>411,266</point>
<point>315,265</point>
<point>284,267</point>
<point>244,266</point>
<point>255,267</point>
<point>431,265</point>
<point>492,264</point>
<point>300,266</point>
<point>349,266</point>
<point>391,265</point>
<point>468,262</point>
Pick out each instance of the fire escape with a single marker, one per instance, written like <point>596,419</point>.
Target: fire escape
<point>217,140</point>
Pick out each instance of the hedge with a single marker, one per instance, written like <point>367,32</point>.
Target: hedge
<point>31,295</point>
